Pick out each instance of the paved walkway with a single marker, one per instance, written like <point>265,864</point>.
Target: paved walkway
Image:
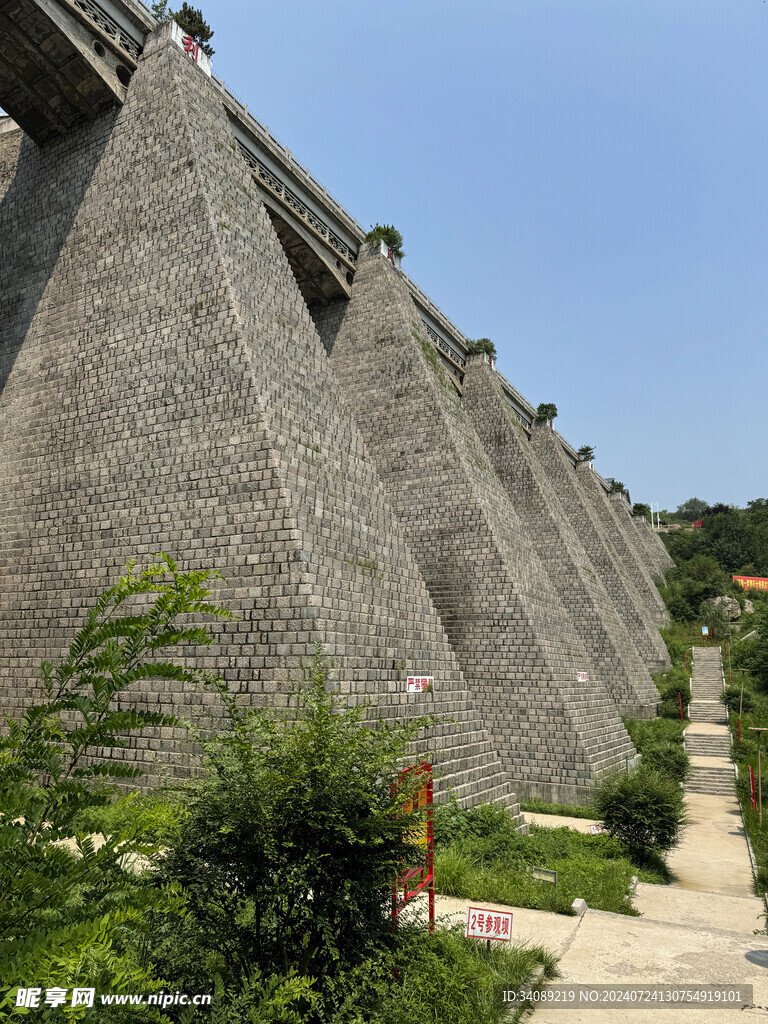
<point>699,930</point>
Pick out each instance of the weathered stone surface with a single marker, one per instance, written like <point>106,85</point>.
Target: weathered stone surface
<point>163,387</point>
<point>611,651</point>
<point>594,534</point>
<point>616,528</point>
<point>520,652</point>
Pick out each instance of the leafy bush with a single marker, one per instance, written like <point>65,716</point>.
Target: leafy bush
<point>643,809</point>
<point>586,453</point>
<point>660,743</point>
<point>389,235</point>
<point>291,841</point>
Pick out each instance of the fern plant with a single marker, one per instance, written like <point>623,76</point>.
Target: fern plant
<point>67,903</point>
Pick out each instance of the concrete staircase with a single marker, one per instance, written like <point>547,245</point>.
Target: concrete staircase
<point>707,738</point>
<point>707,683</point>
<point>713,779</point>
<point>706,744</point>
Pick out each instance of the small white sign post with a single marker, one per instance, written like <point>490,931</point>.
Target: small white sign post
<point>489,924</point>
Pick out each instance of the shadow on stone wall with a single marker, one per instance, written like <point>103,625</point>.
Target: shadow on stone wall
<point>37,212</point>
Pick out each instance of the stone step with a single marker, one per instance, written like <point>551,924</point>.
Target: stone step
<point>717,781</point>
<point>708,746</point>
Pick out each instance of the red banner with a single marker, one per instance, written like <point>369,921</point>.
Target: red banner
<point>751,582</point>
<point>752,797</point>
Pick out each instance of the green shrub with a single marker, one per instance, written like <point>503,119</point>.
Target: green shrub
<point>670,760</point>
<point>389,235</point>
<point>291,842</point>
<point>482,345</point>
<point>452,822</point>
<point>448,979</point>
<point>644,810</point>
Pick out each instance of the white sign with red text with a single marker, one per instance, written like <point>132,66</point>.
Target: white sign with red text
<point>192,48</point>
<point>582,677</point>
<point>420,684</point>
<point>489,924</point>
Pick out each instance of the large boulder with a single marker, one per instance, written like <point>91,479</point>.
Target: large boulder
<point>748,606</point>
<point>731,605</point>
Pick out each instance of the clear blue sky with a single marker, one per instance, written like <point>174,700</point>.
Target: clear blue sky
<point>583,181</point>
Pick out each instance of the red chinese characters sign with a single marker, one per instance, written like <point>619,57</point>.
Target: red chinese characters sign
<point>489,924</point>
<point>751,582</point>
<point>417,879</point>
<point>191,47</point>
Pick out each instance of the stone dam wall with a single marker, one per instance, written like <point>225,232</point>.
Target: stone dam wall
<point>165,385</point>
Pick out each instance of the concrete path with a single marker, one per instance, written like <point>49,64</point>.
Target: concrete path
<point>611,949</point>
<point>684,938</point>
<point>713,854</point>
<point>557,821</point>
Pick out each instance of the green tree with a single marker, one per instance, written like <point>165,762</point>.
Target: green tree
<point>194,24</point>
<point>389,235</point>
<point>161,11</point>
<point>615,485</point>
<point>546,411</point>
<point>641,509</point>
<point>67,908</point>
<point>586,453</point>
<point>691,509</point>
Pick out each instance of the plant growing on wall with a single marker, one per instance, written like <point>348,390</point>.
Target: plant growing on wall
<point>484,345</point>
<point>641,509</point>
<point>162,11</point>
<point>194,24</point>
<point>389,235</point>
<point>616,485</point>
<point>546,411</point>
<point>586,453</point>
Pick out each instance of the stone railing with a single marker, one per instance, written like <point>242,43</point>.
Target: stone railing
<point>269,180</point>
<point>126,41</point>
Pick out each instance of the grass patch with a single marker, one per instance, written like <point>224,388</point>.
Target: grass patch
<point>481,856</point>
<point>745,756</point>
<point>564,810</point>
<point>454,980</point>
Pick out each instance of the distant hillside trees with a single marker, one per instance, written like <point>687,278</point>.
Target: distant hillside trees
<point>692,509</point>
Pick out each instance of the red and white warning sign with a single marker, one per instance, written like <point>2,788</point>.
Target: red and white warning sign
<point>489,924</point>
<point>420,684</point>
